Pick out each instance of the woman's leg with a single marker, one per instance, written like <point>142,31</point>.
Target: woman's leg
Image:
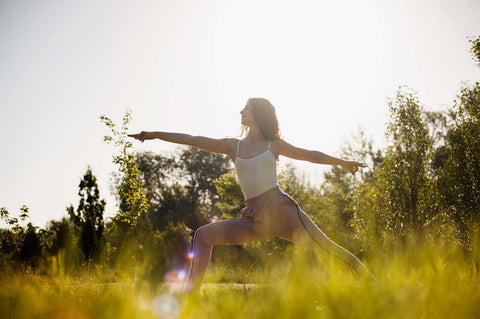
<point>303,231</point>
<point>235,231</point>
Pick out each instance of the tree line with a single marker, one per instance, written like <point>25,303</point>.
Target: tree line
<point>424,186</point>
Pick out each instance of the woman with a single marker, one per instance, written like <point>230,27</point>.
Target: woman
<point>269,212</point>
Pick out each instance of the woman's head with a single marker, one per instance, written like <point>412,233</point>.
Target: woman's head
<point>259,111</point>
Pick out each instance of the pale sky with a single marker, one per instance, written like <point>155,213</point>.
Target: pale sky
<point>189,66</point>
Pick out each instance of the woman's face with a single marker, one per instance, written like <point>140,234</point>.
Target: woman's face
<point>247,116</point>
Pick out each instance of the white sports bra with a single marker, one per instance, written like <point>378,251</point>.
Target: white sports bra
<point>257,174</point>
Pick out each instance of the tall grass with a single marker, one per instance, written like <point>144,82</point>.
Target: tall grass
<point>421,280</point>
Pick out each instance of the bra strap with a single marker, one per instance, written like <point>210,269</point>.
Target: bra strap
<point>238,144</point>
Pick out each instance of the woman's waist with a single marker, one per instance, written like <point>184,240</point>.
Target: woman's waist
<point>255,187</point>
<point>268,194</point>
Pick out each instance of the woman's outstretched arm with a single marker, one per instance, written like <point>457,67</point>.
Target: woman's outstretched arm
<point>222,146</point>
<point>288,150</point>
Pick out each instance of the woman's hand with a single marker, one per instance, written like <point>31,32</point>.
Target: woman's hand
<point>143,136</point>
<point>353,166</point>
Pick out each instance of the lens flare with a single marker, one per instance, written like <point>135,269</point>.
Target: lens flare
<point>175,275</point>
<point>166,306</point>
<point>182,274</point>
<point>188,255</point>
<point>175,279</point>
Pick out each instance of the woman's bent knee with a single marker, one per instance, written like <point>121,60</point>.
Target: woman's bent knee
<point>202,235</point>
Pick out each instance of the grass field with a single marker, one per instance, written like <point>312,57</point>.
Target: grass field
<point>430,282</point>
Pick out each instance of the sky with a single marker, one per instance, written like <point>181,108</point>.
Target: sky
<point>328,67</point>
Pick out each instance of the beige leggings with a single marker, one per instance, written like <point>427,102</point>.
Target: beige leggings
<point>271,214</point>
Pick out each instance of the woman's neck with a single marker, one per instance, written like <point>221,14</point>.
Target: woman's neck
<point>254,134</point>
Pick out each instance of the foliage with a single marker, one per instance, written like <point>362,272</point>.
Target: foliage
<point>65,256</point>
<point>171,252</point>
<point>19,246</point>
<point>361,148</point>
<point>158,172</point>
<point>475,49</point>
<point>176,199</point>
<point>201,168</point>
<point>89,216</point>
<point>231,199</point>
<point>180,187</point>
<point>459,180</point>
<point>421,194</point>
<point>423,281</point>
<point>129,189</point>
<point>30,249</point>
<point>396,200</point>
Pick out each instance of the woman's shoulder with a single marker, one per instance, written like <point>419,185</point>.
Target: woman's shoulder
<point>230,142</point>
<point>278,141</point>
<point>276,146</point>
<point>228,145</point>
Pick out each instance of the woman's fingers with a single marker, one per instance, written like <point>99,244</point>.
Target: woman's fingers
<point>355,165</point>
<point>139,136</point>
<point>354,169</point>
<point>135,136</point>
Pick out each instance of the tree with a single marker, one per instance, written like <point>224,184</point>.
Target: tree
<point>181,194</point>
<point>167,198</point>
<point>200,169</point>
<point>61,236</point>
<point>396,201</point>
<point>437,126</point>
<point>30,249</point>
<point>129,189</point>
<point>10,240</point>
<point>157,172</point>
<point>180,187</point>
<point>459,181</point>
<point>231,199</point>
<point>61,243</point>
<point>18,243</point>
<point>89,216</point>
<point>475,49</point>
<point>360,147</point>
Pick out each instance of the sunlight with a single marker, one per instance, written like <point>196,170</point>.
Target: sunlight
<point>389,83</point>
<point>166,306</point>
<point>299,56</point>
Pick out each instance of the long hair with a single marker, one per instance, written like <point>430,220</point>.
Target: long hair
<point>265,117</point>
